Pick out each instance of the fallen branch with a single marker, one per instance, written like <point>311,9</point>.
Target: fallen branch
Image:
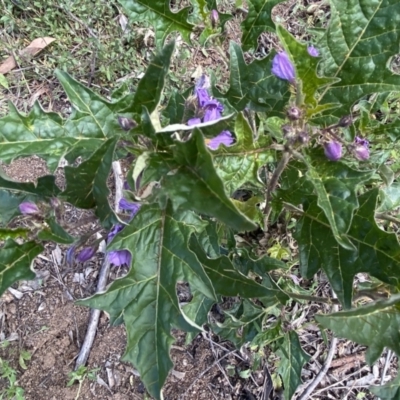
<point>310,388</point>
<point>102,282</point>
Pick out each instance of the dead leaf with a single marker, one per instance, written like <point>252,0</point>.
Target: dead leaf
<point>32,49</point>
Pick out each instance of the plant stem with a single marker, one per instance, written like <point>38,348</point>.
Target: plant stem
<point>317,299</point>
<point>272,185</point>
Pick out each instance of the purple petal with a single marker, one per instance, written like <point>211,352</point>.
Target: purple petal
<point>129,206</point>
<point>312,51</point>
<point>225,138</point>
<point>115,229</point>
<point>86,254</point>
<point>202,96</point>
<point>361,150</point>
<point>282,67</point>
<point>28,208</point>
<point>119,257</point>
<point>333,151</point>
<point>194,121</point>
<point>213,109</point>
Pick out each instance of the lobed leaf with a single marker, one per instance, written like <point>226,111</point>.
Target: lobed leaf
<point>390,391</point>
<point>15,262</point>
<point>357,47</point>
<point>191,182</point>
<point>145,299</point>
<point>86,185</point>
<point>335,185</point>
<point>375,325</point>
<point>238,165</point>
<point>42,134</point>
<point>160,16</point>
<point>253,85</point>
<point>377,252</point>
<point>258,20</point>
<point>293,358</point>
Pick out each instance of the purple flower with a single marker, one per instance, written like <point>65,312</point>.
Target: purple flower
<point>115,229</point>
<point>225,138</point>
<point>312,51</point>
<point>129,206</point>
<point>361,150</point>
<point>202,96</point>
<point>86,254</point>
<point>282,67</point>
<point>119,257</point>
<point>333,150</point>
<point>213,110</point>
<point>27,208</point>
<point>214,18</point>
<point>194,121</point>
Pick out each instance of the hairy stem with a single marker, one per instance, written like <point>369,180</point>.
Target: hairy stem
<point>272,185</point>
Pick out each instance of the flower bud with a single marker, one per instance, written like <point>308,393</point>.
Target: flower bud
<point>214,18</point>
<point>288,132</point>
<point>303,137</point>
<point>361,149</point>
<point>282,67</point>
<point>86,254</point>
<point>345,121</point>
<point>312,51</point>
<point>27,208</point>
<point>126,123</point>
<point>293,113</point>
<point>333,150</point>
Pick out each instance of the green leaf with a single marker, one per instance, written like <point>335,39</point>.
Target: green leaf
<point>305,65</point>
<point>160,16</point>
<point>390,197</point>
<point>258,20</point>
<point>227,280</point>
<point>250,209</point>
<point>16,261</point>
<point>86,185</point>
<point>375,325</point>
<point>6,233</point>
<point>55,233</point>
<point>3,81</point>
<point>239,164</point>
<point>358,44</point>
<point>390,391</point>
<point>145,299</point>
<point>192,183</point>
<point>197,311</point>
<point>241,324</point>
<point>92,115</point>
<point>9,203</point>
<point>39,133</point>
<point>335,185</point>
<point>44,188</point>
<point>377,252</point>
<point>293,358</point>
<point>150,87</point>
<point>253,85</point>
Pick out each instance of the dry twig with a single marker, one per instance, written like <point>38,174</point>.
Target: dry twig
<point>101,285</point>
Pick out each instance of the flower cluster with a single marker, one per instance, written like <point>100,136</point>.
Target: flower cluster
<point>212,111</point>
<point>115,257</point>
